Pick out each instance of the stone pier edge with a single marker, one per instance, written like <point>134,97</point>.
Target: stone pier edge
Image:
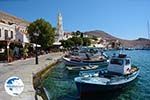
<point>39,77</point>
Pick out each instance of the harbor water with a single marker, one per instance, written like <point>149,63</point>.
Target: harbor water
<point>60,83</point>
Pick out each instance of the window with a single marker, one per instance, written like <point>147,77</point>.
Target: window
<point>6,34</point>
<point>0,33</point>
<point>127,61</point>
<point>11,34</point>
<point>116,61</point>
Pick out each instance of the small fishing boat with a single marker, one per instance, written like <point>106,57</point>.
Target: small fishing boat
<point>118,74</point>
<point>77,61</point>
<point>81,68</point>
<point>85,56</point>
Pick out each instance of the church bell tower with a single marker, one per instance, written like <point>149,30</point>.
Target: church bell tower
<point>59,29</point>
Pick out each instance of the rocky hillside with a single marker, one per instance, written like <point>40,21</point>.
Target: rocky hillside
<point>140,43</point>
<point>99,33</point>
<point>10,19</point>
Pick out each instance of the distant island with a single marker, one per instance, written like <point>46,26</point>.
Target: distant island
<point>138,43</point>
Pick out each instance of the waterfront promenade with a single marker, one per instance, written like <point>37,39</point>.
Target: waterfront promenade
<point>24,69</point>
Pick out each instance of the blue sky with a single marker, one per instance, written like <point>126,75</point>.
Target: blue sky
<point>125,19</point>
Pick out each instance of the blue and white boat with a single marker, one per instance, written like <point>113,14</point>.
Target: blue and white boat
<point>118,74</point>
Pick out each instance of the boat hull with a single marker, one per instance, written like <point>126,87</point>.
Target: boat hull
<point>77,69</point>
<point>84,88</point>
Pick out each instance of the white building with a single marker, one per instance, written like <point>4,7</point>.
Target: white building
<point>13,32</point>
<point>13,28</point>
<point>67,35</point>
<point>21,34</point>
<point>7,32</point>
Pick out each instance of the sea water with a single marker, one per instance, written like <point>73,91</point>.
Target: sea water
<point>60,83</point>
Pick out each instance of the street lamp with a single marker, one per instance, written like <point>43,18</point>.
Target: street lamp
<point>8,48</point>
<point>8,44</point>
<point>36,54</point>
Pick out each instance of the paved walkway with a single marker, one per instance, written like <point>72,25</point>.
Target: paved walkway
<point>24,69</point>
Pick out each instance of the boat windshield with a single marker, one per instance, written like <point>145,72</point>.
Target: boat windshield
<point>116,61</point>
<point>127,61</point>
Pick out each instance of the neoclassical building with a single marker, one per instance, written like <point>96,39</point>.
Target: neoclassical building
<point>7,31</point>
<point>13,28</point>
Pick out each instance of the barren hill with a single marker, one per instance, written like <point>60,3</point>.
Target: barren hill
<point>99,33</point>
<point>141,42</point>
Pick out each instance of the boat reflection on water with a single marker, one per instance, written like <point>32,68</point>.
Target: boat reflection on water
<point>110,95</point>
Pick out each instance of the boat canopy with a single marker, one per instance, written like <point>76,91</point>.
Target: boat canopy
<point>120,64</point>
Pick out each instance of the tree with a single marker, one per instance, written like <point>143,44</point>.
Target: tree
<point>81,35</point>
<point>86,41</point>
<point>67,43</point>
<point>77,34</point>
<point>94,38</point>
<point>74,34</point>
<point>77,41</point>
<point>46,33</point>
<point>71,42</point>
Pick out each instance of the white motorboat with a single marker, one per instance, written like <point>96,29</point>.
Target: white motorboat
<point>81,68</point>
<point>118,74</point>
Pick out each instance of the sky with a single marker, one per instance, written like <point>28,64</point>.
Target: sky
<point>126,19</point>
